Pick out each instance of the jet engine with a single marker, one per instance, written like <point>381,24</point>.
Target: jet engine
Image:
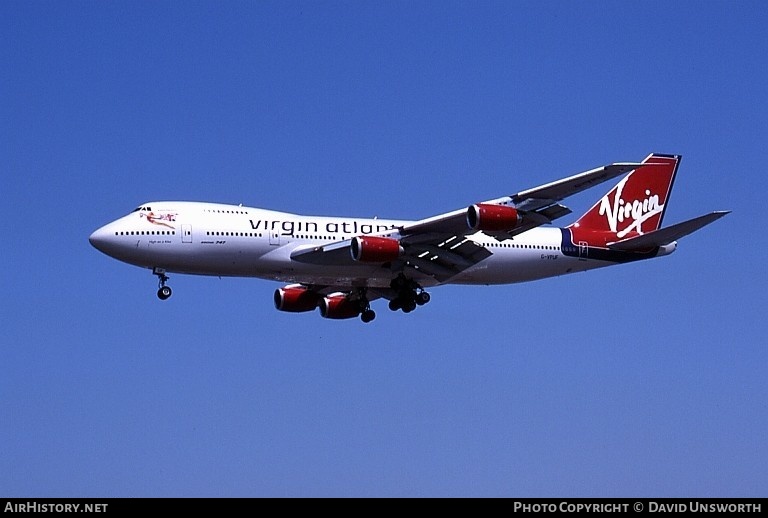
<point>296,299</point>
<point>493,217</point>
<point>339,307</point>
<point>372,249</point>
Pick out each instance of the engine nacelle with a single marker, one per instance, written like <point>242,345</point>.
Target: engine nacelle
<point>296,299</point>
<point>372,249</point>
<point>493,217</point>
<point>339,307</point>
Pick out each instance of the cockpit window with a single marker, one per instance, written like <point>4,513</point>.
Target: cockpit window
<point>148,209</point>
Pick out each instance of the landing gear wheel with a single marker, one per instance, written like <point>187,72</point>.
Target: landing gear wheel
<point>408,294</point>
<point>164,292</point>
<point>368,315</point>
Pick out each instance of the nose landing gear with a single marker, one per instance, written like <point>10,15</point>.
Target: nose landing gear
<point>163,291</point>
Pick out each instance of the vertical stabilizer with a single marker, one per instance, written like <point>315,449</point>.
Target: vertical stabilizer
<point>636,205</point>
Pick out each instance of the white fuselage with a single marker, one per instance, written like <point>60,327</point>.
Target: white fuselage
<point>230,240</point>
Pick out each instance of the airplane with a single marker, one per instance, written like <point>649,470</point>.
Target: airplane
<point>340,265</point>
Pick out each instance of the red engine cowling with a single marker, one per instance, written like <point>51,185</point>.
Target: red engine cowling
<point>371,249</point>
<point>493,217</point>
<point>339,307</point>
<point>296,299</point>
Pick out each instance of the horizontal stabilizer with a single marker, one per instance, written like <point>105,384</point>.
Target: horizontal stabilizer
<point>665,236</point>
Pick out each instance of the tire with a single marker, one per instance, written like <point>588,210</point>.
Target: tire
<point>164,292</point>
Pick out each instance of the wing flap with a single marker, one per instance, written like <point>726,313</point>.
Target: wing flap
<point>445,259</point>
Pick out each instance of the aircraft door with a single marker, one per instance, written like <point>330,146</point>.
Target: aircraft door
<point>186,233</point>
<point>583,250</point>
<point>274,237</point>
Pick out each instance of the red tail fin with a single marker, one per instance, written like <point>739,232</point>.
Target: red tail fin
<point>636,204</point>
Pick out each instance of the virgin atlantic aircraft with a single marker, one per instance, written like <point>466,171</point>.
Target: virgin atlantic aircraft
<point>340,265</point>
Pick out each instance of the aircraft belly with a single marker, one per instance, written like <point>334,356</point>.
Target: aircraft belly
<point>519,266</point>
<point>346,276</point>
<point>271,263</point>
<point>201,259</point>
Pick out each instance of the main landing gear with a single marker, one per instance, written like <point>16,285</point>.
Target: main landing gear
<point>163,291</point>
<point>409,294</point>
<point>366,313</point>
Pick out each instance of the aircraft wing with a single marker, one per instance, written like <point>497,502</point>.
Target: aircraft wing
<point>436,255</point>
<point>441,247</point>
<point>545,195</point>
<point>539,204</point>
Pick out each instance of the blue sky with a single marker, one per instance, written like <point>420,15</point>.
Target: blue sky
<point>647,379</point>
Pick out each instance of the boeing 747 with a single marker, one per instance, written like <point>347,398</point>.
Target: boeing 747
<point>340,265</point>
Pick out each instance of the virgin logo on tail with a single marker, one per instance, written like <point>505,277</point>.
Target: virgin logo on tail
<point>636,204</point>
<point>636,211</point>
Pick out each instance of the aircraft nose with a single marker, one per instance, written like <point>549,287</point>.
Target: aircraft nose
<point>99,239</point>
